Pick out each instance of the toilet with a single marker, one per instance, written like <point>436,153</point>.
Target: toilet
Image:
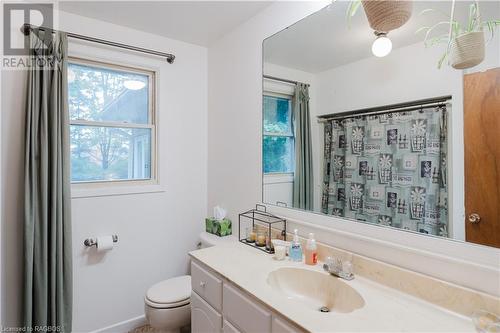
<point>167,304</point>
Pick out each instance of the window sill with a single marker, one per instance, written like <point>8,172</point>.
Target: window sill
<point>104,190</point>
<point>277,178</point>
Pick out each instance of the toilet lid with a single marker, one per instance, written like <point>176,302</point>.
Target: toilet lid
<point>172,291</point>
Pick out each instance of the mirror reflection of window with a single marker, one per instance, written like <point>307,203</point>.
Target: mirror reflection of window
<point>278,140</point>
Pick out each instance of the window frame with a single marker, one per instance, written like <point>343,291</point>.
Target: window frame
<point>152,124</point>
<point>292,133</point>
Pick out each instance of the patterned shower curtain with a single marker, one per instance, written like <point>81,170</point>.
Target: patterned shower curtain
<point>389,169</point>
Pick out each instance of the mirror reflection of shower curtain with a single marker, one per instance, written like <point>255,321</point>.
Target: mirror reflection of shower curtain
<point>389,169</point>
<point>303,175</point>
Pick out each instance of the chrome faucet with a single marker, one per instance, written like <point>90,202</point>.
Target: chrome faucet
<point>338,268</point>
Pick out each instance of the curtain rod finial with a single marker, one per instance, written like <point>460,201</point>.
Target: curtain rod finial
<point>170,59</point>
<point>25,29</point>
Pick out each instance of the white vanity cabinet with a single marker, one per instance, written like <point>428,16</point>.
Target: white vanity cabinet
<point>204,318</point>
<point>218,305</point>
<point>207,285</point>
<point>244,312</point>
<point>281,325</point>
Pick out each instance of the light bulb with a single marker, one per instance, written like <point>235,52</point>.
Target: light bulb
<point>382,46</point>
<point>134,84</point>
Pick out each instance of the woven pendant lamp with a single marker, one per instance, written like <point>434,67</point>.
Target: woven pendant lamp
<point>387,15</point>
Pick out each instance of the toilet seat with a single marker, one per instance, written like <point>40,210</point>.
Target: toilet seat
<point>166,305</point>
<point>171,293</point>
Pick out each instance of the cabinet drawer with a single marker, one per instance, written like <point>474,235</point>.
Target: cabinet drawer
<point>245,313</point>
<point>204,318</point>
<point>207,285</point>
<point>228,328</point>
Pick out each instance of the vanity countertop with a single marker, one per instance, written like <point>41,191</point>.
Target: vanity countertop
<point>385,309</point>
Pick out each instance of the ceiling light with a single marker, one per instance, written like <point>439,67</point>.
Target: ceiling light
<point>134,84</point>
<point>382,46</point>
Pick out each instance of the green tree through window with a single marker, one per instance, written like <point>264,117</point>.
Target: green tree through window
<point>278,140</point>
<point>110,123</point>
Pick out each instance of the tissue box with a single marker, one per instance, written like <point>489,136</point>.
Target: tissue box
<point>218,227</point>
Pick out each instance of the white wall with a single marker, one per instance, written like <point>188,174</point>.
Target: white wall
<point>234,165</point>
<point>235,103</point>
<point>277,189</point>
<point>155,230</point>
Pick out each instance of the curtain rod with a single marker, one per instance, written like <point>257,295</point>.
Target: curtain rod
<point>27,28</point>
<point>274,78</point>
<point>415,105</point>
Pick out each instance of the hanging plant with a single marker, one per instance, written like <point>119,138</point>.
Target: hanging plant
<point>465,42</point>
<point>383,15</point>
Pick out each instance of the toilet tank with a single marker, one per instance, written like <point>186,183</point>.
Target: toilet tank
<point>206,240</point>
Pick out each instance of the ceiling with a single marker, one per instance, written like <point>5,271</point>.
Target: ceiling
<point>323,40</point>
<point>197,22</point>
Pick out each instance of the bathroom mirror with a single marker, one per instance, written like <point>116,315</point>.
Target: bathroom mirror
<point>375,127</point>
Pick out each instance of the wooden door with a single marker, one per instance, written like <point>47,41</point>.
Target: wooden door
<point>482,156</point>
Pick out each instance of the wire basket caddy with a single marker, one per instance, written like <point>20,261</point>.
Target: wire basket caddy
<point>256,228</point>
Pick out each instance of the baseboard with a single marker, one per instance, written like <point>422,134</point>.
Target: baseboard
<point>124,326</point>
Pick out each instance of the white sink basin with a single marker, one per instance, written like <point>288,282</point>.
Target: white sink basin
<point>315,290</point>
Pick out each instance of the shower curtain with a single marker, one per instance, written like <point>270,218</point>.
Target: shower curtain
<point>47,219</point>
<point>389,169</point>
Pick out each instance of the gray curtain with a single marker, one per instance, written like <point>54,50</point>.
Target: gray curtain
<point>47,219</point>
<point>303,178</point>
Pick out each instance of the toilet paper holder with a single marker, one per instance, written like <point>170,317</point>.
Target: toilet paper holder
<point>93,241</point>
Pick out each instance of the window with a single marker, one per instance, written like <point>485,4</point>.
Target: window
<point>278,139</point>
<point>112,128</point>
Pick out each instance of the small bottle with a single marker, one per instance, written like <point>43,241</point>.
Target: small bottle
<point>311,251</point>
<point>295,248</point>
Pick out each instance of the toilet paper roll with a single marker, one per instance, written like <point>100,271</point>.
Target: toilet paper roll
<point>104,243</point>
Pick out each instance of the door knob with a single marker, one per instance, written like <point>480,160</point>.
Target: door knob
<point>474,218</point>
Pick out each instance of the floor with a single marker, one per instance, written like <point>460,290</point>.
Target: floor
<point>149,329</point>
<point>144,329</point>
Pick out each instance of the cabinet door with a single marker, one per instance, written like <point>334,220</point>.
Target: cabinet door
<point>244,312</point>
<point>204,318</point>
<point>227,327</point>
<point>281,325</point>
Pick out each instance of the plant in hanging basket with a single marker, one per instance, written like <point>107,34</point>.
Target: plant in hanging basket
<point>383,15</point>
<point>465,42</point>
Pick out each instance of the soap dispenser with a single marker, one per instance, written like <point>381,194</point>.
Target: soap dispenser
<point>295,248</point>
<point>311,251</point>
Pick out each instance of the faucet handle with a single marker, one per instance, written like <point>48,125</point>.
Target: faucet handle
<point>328,264</point>
<point>339,268</point>
<point>333,263</point>
<point>337,263</point>
<point>347,267</point>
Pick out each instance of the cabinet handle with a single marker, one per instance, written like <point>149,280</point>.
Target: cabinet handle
<point>203,284</point>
